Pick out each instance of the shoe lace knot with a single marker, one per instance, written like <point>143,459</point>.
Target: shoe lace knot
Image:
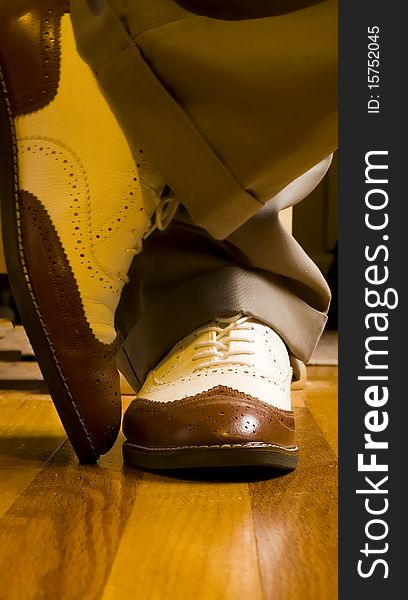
<point>163,215</point>
<point>220,347</point>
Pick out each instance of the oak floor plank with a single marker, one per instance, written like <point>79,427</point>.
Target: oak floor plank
<point>109,532</point>
<point>14,343</point>
<point>185,540</point>
<point>298,398</point>
<point>59,538</point>
<point>295,520</point>
<point>30,432</point>
<point>321,398</point>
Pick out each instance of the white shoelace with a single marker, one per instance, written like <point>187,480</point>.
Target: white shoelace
<point>164,213</point>
<point>161,219</point>
<point>217,350</point>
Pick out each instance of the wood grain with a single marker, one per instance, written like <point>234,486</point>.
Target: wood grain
<point>108,532</point>
<point>64,530</point>
<point>295,520</point>
<point>14,343</point>
<point>187,539</point>
<point>321,398</point>
<point>30,432</point>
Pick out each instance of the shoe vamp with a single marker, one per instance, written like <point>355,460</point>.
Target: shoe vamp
<point>74,158</point>
<point>239,378</point>
<point>268,356</point>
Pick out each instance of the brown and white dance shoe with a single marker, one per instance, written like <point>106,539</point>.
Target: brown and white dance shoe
<point>220,398</point>
<point>73,215</point>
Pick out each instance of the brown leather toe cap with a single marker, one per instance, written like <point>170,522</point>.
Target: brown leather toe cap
<point>215,417</point>
<point>95,387</point>
<point>88,394</point>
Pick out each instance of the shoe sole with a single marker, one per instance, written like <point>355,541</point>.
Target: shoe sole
<point>244,455</point>
<point>22,289</point>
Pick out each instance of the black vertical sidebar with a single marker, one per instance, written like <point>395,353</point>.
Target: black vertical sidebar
<point>373,273</point>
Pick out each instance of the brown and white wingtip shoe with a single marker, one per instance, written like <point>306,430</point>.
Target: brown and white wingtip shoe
<point>73,215</point>
<point>220,398</point>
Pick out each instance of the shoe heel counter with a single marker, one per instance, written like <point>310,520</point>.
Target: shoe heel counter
<point>30,51</point>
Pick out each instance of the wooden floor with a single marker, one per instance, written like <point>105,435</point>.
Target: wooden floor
<point>70,532</point>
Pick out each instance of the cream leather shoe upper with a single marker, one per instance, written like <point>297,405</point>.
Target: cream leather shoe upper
<point>75,159</point>
<point>238,353</point>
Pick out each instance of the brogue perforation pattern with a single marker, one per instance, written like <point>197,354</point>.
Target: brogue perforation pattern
<point>87,364</point>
